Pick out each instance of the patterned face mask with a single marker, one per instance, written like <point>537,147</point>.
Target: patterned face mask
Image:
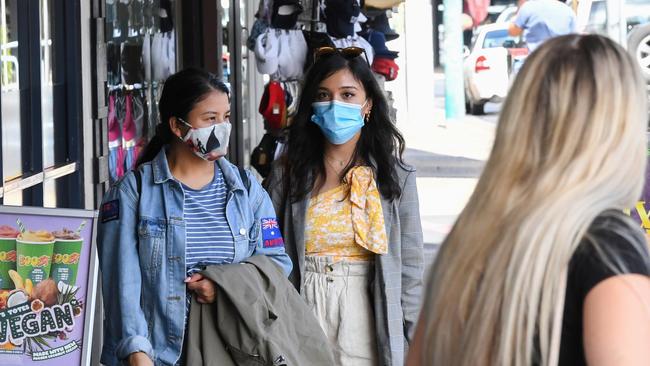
<point>206,140</point>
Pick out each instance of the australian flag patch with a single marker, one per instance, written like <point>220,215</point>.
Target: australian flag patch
<point>271,235</point>
<point>110,211</point>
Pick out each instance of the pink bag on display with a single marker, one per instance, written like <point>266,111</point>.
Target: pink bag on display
<point>129,134</point>
<point>115,151</point>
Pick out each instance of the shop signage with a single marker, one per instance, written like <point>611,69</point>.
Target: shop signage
<point>47,286</point>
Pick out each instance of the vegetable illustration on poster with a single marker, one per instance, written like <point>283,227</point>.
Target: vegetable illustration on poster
<point>45,286</point>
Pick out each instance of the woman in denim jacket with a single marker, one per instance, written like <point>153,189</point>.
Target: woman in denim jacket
<point>185,207</point>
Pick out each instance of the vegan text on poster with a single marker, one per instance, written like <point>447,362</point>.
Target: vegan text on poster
<point>46,284</point>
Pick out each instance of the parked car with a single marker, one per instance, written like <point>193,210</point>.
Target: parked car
<point>488,66</point>
<point>637,16</point>
<point>507,15</point>
<point>497,8</point>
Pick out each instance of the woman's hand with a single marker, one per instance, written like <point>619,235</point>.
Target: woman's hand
<point>203,287</point>
<point>139,359</point>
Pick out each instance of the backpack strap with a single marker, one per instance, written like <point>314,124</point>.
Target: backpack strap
<point>244,178</point>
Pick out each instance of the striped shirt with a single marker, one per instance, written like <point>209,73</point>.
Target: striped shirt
<point>208,236</point>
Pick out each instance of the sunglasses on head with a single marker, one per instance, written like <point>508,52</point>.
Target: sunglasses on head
<point>347,52</point>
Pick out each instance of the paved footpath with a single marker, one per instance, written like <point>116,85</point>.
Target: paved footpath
<point>449,158</point>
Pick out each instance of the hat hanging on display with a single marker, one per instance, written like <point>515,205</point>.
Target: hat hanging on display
<point>292,94</point>
<point>356,42</point>
<point>259,27</point>
<point>360,20</point>
<point>267,47</point>
<point>273,105</point>
<point>264,10</point>
<point>386,67</point>
<point>340,17</point>
<point>285,13</point>
<point>373,12</point>
<point>378,42</point>
<point>380,23</point>
<point>291,54</point>
<point>315,40</point>
<point>383,4</point>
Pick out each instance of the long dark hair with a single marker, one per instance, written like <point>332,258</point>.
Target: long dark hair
<point>181,92</point>
<point>380,142</point>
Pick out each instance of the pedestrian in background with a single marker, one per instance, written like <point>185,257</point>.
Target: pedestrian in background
<point>543,267</point>
<point>540,20</point>
<point>348,208</point>
<point>184,208</point>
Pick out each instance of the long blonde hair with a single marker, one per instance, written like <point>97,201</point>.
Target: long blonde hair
<point>570,144</point>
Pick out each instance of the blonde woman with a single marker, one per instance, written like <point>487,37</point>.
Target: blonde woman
<point>542,267</point>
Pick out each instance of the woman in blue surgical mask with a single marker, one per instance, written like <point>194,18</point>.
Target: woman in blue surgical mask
<point>348,209</point>
<point>185,207</point>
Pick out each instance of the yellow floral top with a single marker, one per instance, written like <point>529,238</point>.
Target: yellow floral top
<point>347,226</point>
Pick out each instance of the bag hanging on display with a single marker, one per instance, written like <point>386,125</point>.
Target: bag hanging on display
<point>115,150</point>
<point>263,155</point>
<point>128,134</point>
<point>131,60</point>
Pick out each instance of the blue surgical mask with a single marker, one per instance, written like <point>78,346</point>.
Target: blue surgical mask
<point>339,121</point>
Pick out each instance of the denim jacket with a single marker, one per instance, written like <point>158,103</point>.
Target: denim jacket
<point>141,247</point>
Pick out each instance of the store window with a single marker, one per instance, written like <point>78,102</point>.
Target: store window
<point>47,96</point>
<point>140,55</point>
<point>39,88</point>
<point>10,97</point>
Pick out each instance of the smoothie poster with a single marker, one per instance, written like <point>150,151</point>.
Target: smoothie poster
<point>45,283</point>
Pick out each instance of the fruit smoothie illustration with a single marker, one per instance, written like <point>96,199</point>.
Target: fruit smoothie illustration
<point>34,249</point>
<point>7,255</point>
<point>65,260</point>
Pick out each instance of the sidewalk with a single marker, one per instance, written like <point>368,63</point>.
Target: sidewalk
<point>470,137</point>
<point>449,158</point>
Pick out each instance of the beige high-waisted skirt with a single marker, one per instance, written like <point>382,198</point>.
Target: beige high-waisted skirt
<point>339,295</point>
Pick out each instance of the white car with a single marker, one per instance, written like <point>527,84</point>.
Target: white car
<point>507,15</point>
<point>593,18</point>
<point>488,66</point>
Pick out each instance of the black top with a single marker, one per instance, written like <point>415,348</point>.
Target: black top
<point>616,238</point>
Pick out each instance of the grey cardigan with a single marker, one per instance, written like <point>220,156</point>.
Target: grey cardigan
<point>397,286</point>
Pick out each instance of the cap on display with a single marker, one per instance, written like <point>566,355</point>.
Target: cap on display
<point>386,67</point>
<point>340,17</point>
<point>285,13</point>
<point>273,105</point>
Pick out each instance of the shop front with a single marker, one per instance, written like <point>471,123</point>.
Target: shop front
<point>79,83</point>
